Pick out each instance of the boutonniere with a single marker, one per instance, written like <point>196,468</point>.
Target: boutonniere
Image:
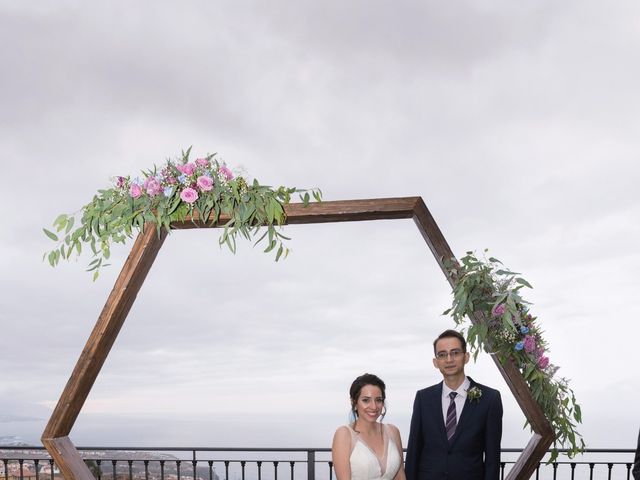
<point>474,394</point>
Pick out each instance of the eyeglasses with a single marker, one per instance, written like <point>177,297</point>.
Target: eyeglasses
<point>453,354</point>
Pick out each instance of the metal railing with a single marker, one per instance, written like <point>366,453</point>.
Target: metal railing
<point>186,463</point>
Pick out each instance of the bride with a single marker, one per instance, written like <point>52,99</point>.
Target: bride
<point>367,449</point>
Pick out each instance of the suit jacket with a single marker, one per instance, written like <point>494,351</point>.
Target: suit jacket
<point>474,453</point>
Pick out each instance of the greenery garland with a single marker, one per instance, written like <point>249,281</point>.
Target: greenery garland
<point>204,189</point>
<point>508,329</point>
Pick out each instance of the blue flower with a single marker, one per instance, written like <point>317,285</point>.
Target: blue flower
<point>524,330</point>
<point>182,178</point>
<point>168,191</point>
<point>519,346</point>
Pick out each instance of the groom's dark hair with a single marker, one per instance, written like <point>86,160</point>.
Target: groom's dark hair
<point>451,334</point>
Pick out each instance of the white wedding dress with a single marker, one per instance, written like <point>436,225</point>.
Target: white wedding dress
<point>366,465</point>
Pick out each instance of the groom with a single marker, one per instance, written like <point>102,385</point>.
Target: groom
<point>456,425</point>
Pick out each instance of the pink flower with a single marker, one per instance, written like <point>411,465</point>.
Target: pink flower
<point>225,172</point>
<point>202,162</point>
<point>135,190</point>
<point>152,186</point>
<point>498,310</point>
<point>205,183</point>
<point>187,168</point>
<point>529,343</point>
<point>189,195</point>
<point>543,362</point>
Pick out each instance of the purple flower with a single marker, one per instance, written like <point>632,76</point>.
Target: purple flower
<point>543,362</point>
<point>524,330</point>
<point>187,168</point>
<point>189,195</point>
<point>152,186</point>
<point>225,172</point>
<point>498,310</point>
<point>529,343</point>
<point>205,183</point>
<point>121,182</point>
<point>135,190</point>
<point>519,346</point>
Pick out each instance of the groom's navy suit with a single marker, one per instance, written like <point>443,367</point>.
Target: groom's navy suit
<point>474,452</point>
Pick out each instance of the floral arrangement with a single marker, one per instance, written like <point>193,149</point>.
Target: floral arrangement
<point>204,190</point>
<point>509,330</point>
<point>474,394</point>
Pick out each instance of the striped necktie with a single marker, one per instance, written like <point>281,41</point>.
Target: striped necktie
<point>450,424</point>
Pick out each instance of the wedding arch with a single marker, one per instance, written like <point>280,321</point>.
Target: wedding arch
<point>144,251</point>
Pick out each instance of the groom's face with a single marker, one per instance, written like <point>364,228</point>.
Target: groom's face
<point>450,358</point>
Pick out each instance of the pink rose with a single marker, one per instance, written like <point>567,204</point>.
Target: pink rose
<point>152,186</point>
<point>202,162</point>
<point>225,172</point>
<point>189,195</point>
<point>498,310</point>
<point>529,343</point>
<point>205,183</point>
<point>187,168</point>
<point>135,190</point>
<point>543,362</point>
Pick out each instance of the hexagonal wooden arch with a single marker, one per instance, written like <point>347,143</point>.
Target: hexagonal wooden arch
<point>56,434</point>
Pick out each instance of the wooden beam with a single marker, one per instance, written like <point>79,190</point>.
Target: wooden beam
<point>68,459</point>
<point>97,348</point>
<point>326,212</point>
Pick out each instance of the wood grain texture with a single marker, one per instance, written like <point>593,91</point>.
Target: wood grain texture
<point>98,345</point>
<point>327,212</point>
<point>543,436</point>
<point>68,459</point>
<point>144,251</point>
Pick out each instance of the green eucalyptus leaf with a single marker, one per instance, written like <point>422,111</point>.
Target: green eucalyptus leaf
<point>50,234</point>
<point>522,281</point>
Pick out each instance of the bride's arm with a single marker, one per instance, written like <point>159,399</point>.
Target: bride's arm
<point>340,453</point>
<point>395,433</point>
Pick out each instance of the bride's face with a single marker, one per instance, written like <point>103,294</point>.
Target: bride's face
<point>370,403</point>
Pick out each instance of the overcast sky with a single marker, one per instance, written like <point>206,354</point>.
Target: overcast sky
<point>517,123</point>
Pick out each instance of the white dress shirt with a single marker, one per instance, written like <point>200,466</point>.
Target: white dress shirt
<point>460,398</point>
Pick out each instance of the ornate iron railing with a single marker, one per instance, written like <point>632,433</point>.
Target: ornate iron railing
<point>180,463</point>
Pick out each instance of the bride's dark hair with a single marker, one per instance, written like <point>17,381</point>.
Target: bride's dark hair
<point>357,386</point>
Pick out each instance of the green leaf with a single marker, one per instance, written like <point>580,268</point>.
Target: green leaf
<point>60,222</point>
<point>50,234</point>
<point>70,224</point>
<point>271,246</point>
<point>522,281</point>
